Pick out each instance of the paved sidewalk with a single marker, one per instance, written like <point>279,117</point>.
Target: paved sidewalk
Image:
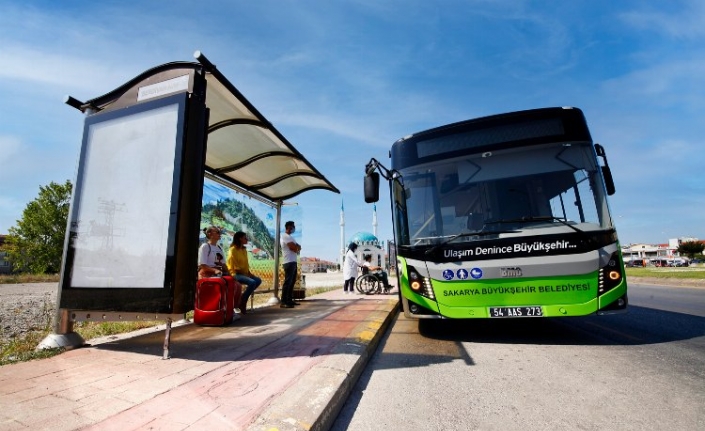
<point>284,369</point>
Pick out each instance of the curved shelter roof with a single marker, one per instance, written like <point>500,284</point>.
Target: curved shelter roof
<point>243,148</point>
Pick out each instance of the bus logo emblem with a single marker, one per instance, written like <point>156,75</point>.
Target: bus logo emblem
<point>510,272</point>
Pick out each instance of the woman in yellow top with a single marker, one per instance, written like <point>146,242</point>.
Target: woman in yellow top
<point>239,267</point>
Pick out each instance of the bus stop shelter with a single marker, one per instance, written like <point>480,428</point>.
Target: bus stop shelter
<point>133,231</point>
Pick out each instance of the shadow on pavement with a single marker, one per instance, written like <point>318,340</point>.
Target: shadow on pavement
<point>639,326</point>
<point>263,333</point>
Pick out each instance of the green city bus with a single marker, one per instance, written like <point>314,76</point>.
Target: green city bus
<point>503,216</point>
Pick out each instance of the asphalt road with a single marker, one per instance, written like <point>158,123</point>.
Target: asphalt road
<point>644,370</point>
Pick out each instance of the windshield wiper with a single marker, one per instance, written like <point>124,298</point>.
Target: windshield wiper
<point>536,218</point>
<point>464,234</point>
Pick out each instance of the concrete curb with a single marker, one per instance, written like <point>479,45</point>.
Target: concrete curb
<point>313,402</point>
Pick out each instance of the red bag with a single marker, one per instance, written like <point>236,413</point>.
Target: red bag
<point>215,300</point>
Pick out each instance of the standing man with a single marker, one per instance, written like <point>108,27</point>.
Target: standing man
<point>290,249</point>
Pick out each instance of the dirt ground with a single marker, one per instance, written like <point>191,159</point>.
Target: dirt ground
<point>25,308</point>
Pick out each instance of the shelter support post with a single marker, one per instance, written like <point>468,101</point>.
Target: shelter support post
<point>167,339</point>
<point>63,335</point>
<point>65,324</point>
<point>277,251</point>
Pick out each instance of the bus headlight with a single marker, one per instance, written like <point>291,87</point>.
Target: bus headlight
<point>610,275</point>
<point>414,281</point>
<point>420,285</point>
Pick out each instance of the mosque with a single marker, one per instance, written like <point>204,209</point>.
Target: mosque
<point>367,243</point>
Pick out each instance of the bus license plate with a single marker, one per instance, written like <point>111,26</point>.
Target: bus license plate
<point>516,312</point>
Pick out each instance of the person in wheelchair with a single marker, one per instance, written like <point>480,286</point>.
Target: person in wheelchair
<point>377,271</point>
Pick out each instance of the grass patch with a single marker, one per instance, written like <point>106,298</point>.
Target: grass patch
<point>317,290</point>
<point>697,273</point>
<point>90,330</point>
<point>22,348</point>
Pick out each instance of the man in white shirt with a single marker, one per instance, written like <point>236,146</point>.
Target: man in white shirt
<point>377,271</point>
<point>290,250</point>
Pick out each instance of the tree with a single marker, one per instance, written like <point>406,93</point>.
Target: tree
<point>691,248</point>
<point>36,244</point>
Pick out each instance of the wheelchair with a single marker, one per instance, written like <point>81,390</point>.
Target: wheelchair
<point>368,283</point>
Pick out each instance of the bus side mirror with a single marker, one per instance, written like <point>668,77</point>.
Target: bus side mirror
<point>609,182</point>
<point>606,172</point>
<point>372,187</point>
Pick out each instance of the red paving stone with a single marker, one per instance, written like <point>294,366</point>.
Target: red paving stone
<point>218,377</point>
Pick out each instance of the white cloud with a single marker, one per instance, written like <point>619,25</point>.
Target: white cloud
<point>30,65</point>
<point>675,80</point>
<point>686,22</point>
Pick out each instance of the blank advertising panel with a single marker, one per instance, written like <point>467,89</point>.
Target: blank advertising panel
<point>123,215</point>
<point>123,212</point>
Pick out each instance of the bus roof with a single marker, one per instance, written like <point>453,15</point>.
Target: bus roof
<point>521,128</point>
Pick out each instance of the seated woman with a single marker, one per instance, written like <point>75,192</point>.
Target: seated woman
<point>239,265</point>
<point>377,271</point>
<point>211,259</point>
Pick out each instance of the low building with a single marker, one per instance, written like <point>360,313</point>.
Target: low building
<point>314,264</point>
<point>653,252</point>
<point>5,266</point>
<point>645,252</point>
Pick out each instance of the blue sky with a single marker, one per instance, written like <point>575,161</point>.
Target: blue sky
<point>343,80</point>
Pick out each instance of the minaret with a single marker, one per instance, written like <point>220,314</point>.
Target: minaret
<point>342,234</point>
<point>374,220</point>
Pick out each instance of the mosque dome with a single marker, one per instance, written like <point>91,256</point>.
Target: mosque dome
<point>364,238</point>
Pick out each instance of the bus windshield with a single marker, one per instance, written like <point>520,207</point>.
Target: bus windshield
<point>551,188</point>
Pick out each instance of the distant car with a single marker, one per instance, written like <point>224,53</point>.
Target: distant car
<point>635,263</point>
<point>660,262</point>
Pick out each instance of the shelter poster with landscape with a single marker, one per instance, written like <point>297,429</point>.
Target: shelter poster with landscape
<point>232,211</point>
